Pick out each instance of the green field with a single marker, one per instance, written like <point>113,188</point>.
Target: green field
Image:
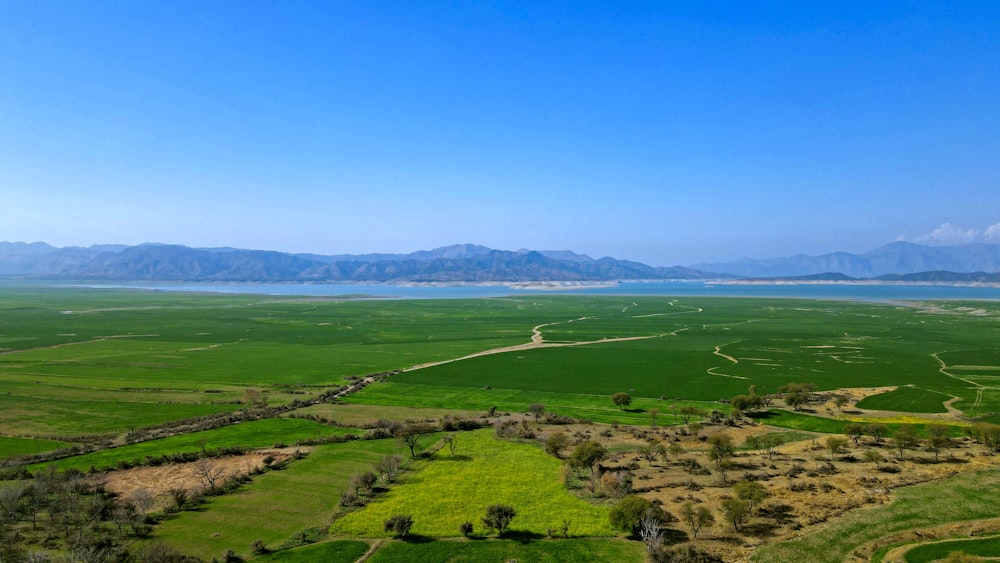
<point>491,551</point>
<point>987,547</point>
<point>446,491</point>
<point>277,505</point>
<point>250,435</point>
<point>338,551</point>
<point>13,446</point>
<point>969,496</point>
<point>82,361</point>
<point>907,399</point>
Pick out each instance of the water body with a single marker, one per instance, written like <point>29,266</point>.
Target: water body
<point>853,292</point>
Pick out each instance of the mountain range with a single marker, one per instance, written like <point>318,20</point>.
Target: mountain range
<point>457,263</point>
<point>898,258</point>
<point>897,261</point>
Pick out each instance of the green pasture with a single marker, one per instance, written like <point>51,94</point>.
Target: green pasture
<point>986,547</point>
<point>14,446</point>
<point>716,348</point>
<point>276,505</point>
<point>964,497</point>
<point>491,551</point>
<point>907,399</point>
<point>337,551</point>
<point>250,435</point>
<point>77,361</point>
<point>446,491</point>
<point>597,408</point>
<point>361,415</point>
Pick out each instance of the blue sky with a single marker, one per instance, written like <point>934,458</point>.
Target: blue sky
<point>665,132</point>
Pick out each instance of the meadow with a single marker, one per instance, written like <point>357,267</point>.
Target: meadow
<point>448,490</point>
<point>489,551</point>
<point>78,362</point>
<point>248,435</point>
<point>277,504</point>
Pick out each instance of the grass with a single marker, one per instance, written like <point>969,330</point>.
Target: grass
<point>797,421</point>
<point>84,361</point>
<point>969,496</point>
<point>491,551</point>
<point>277,505</point>
<point>445,492</point>
<point>13,446</point>
<point>360,415</point>
<point>907,399</point>
<point>250,435</point>
<point>926,553</point>
<point>337,551</point>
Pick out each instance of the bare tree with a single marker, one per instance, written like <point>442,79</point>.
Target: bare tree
<point>209,473</point>
<point>649,531</point>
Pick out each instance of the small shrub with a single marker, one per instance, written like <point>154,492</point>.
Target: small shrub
<point>399,525</point>
<point>465,528</point>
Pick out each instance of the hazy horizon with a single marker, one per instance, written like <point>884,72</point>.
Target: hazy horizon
<point>666,134</point>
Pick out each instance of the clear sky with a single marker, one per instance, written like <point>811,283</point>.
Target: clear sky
<point>665,132</point>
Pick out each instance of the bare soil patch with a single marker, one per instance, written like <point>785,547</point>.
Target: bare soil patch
<point>160,480</point>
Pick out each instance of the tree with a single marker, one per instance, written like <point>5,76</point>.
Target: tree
<point>399,525</point>
<point>903,439</point>
<point>556,442</point>
<point>840,401</point>
<point>937,439</point>
<point>877,431</point>
<point>537,409</point>
<point>653,413</point>
<point>797,394</point>
<point>854,431</point>
<point>465,528</point>
<point>388,467</point>
<point>720,449</point>
<point>498,517</point>
<point>873,456</point>
<point>835,444</point>
<point>616,484</point>
<point>687,412</point>
<point>752,492</point>
<point>649,531</point>
<point>625,515</point>
<point>587,454</point>
<point>735,511</point>
<point>208,473</point>
<point>621,400</point>
<point>452,443</point>
<point>254,398</point>
<point>410,434</point>
<point>696,517</point>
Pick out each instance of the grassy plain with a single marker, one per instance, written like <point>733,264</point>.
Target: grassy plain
<point>490,551</point>
<point>86,361</point>
<point>277,505</point>
<point>337,551</point>
<point>23,446</point>
<point>988,547</point>
<point>250,435</point>
<point>447,491</point>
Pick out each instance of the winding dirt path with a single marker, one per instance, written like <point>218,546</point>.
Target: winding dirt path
<point>538,341</point>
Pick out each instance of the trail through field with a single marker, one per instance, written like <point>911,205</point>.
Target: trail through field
<point>978,386</point>
<point>711,371</point>
<point>91,341</point>
<point>538,341</point>
<point>718,352</point>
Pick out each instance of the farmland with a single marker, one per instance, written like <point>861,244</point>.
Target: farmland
<point>110,370</point>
